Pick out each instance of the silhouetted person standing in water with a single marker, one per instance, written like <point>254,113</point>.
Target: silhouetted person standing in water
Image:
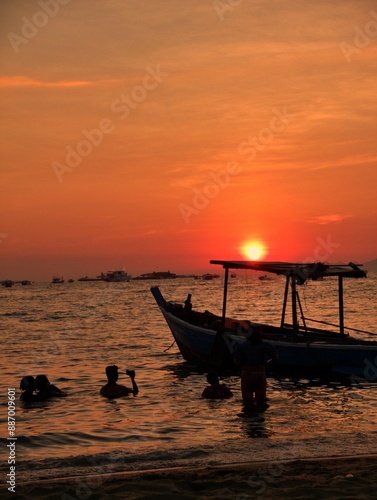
<point>252,357</point>
<point>113,390</point>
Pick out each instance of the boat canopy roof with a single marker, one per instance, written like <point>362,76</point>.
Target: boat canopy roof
<point>301,271</point>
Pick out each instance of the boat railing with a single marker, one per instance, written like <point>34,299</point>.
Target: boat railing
<point>337,326</point>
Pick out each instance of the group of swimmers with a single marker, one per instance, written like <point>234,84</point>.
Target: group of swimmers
<point>38,389</point>
<point>251,358</point>
<point>113,390</point>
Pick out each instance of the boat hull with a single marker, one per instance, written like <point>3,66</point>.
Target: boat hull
<point>207,347</point>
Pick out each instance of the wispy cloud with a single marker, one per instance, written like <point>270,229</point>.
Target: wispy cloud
<point>24,81</point>
<point>349,161</point>
<point>328,219</point>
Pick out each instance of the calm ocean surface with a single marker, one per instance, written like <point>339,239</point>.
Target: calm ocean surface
<point>70,332</point>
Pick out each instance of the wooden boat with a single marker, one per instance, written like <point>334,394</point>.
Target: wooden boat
<point>207,339</point>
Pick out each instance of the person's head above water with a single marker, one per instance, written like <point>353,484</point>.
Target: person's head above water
<point>212,378</point>
<point>112,373</point>
<point>42,382</point>
<point>27,383</point>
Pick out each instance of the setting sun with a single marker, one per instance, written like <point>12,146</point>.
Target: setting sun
<point>254,250</point>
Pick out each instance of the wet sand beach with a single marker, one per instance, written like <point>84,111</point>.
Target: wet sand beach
<point>332,478</point>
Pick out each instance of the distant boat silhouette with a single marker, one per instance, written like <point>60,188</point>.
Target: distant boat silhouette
<point>86,278</point>
<point>56,279</point>
<point>264,277</point>
<point>209,276</point>
<point>157,275</point>
<point>116,276</point>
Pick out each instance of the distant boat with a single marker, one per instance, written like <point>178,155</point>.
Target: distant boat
<point>26,282</point>
<point>157,275</point>
<point>116,276</point>
<point>86,278</point>
<point>209,276</point>
<point>56,279</point>
<point>71,280</point>
<point>264,277</point>
<point>210,340</point>
<point>7,283</point>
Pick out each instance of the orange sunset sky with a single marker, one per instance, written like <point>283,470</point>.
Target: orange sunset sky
<point>160,134</point>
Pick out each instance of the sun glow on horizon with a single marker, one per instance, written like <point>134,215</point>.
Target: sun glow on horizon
<point>254,250</point>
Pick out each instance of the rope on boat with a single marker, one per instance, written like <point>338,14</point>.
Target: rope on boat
<point>345,327</point>
<point>165,350</point>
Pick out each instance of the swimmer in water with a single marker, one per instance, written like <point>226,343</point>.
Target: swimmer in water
<point>114,390</point>
<point>216,390</point>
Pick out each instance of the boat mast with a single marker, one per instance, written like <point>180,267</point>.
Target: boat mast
<point>341,310</point>
<point>294,305</point>
<point>285,302</point>
<point>225,294</point>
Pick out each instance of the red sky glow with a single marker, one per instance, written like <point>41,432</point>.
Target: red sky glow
<point>159,135</point>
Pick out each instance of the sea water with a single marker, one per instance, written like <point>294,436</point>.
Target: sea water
<point>72,331</point>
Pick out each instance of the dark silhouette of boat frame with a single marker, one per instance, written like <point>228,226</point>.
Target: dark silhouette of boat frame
<point>207,339</point>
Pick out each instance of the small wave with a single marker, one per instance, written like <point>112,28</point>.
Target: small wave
<point>15,314</point>
<point>103,463</point>
<point>55,316</point>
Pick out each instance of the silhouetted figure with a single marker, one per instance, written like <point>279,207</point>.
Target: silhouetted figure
<point>46,389</point>
<point>216,390</point>
<point>188,305</point>
<point>113,390</point>
<point>252,357</point>
<point>27,387</point>
<point>187,313</point>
